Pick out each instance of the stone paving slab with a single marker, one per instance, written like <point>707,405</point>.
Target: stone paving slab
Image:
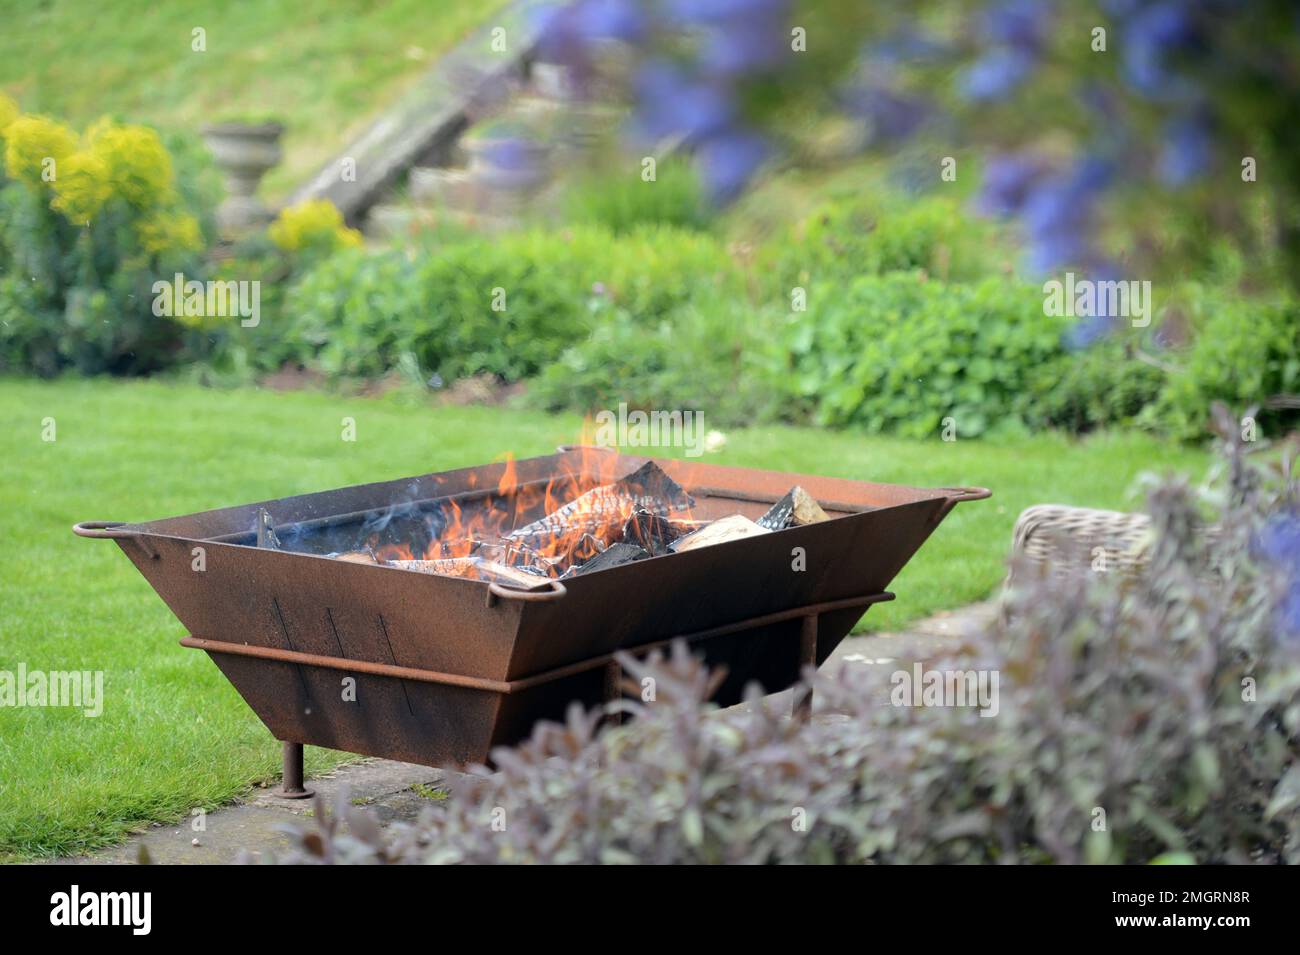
<point>386,788</point>
<point>394,791</point>
<point>935,636</point>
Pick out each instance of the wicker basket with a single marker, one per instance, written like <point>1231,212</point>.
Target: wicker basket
<point>1070,539</point>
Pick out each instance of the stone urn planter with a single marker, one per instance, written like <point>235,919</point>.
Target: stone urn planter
<point>243,152</point>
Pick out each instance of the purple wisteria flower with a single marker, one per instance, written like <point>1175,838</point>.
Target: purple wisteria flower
<point>1090,329</point>
<point>670,102</point>
<point>997,74</point>
<point>729,160</point>
<point>1012,33</point>
<point>691,62</point>
<point>1280,544</point>
<point>891,114</point>
<point>1153,35</point>
<point>725,11</point>
<point>1008,180</point>
<point>741,48</point>
<point>1186,153</point>
<point>1057,214</point>
<point>613,19</point>
<point>1019,24</point>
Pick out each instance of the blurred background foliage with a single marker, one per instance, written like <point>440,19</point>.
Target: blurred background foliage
<point>798,257</point>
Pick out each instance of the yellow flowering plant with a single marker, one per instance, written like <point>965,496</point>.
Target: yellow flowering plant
<point>34,147</point>
<point>91,222</point>
<point>312,226</point>
<point>137,164</point>
<point>172,231</point>
<point>82,187</point>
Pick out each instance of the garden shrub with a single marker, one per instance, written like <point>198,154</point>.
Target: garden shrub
<point>1099,386</point>
<point>858,235</point>
<point>1243,351</point>
<point>301,238</point>
<point>1240,350</point>
<point>87,225</point>
<point>359,313</point>
<point>347,315</point>
<point>659,317</point>
<point>900,353</point>
<point>706,355</point>
<point>621,201</point>
<point>1164,705</point>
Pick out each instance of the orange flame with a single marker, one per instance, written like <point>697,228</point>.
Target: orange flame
<point>482,528</point>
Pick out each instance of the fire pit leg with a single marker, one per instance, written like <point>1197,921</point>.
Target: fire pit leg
<point>291,786</point>
<point>801,708</point>
<point>613,689</point>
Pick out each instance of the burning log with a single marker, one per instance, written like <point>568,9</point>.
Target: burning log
<point>472,567</point>
<point>512,576</point>
<point>681,528</point>
<point>446,566</point>
<point>497,552</point>
<point>725,529</point>
<point>603,526</point>
<point>364,556</point>
<point>546,564</point>
<point>266,531</point>
<point>650,531</point>
<point>602,511</point>
<point>615,555</point>
<point>796,509</point>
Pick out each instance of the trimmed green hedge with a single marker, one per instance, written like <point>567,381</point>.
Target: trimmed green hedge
<point>507,306</point>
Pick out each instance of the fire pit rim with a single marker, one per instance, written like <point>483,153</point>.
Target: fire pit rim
<point>127,529</point>
<point>139,533</point>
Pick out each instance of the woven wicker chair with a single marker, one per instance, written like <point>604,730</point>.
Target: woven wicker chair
<point>1069,539</point>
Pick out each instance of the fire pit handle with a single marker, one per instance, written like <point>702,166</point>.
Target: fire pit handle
<point>555,592</point>
<point>958,494</point>
<point>100,530</point>
<point>108,530</point>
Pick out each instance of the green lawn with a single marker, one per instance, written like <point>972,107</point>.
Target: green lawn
<point>174,734</point>
<point>323,67</point>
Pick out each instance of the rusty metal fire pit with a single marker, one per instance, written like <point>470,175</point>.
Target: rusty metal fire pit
<point>445,668</point>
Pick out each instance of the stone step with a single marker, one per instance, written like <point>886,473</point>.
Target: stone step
<point>413,222</point>
<point>430,114</point>
<point>514,164</point>
<point>551,80</point>
<point>474,190</point>
<point>527,107</point>
<point>427,186</point>
<point>392,220</point>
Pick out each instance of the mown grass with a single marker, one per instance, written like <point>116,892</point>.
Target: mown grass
<point>323,67</point>
<point>174,735</point>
